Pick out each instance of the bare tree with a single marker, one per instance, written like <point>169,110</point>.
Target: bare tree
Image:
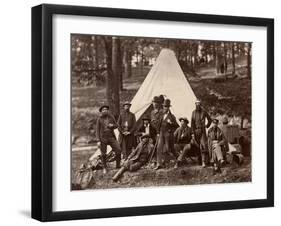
<point>233,57</point>
<point>112,87</point>
<point>127,61</point>
<point>249,61</point>
<point>116,74</point>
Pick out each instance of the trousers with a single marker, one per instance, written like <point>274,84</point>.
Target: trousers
<point>201,139</point>
<point>112,142</point>
<point>165,146</point>
<point>183,149</point>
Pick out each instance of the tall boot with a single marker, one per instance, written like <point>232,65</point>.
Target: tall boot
<point>118,160</point>
<point>103,159</point>
<point>119,174</point>
<point>203,159</point>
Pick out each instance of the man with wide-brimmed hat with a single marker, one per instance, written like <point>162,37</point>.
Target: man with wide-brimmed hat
<point>147,128</point>
<point>137,158</point>
<point>198,127</point>
<point>156,113</point>
<point>183,140</point>
<point>216,140</point>
<point>126,126</point>
<point>161,100</point>
<point>105,136</point>
<point>167,126</point>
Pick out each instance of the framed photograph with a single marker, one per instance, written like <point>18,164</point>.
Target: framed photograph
<point>145,112</point>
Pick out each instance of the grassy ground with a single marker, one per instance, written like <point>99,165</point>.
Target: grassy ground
<point>146,177</point>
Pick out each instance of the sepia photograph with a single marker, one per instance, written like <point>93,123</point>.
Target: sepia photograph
<point>151,112</point>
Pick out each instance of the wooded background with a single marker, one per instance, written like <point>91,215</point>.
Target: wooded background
<point>107,60</point>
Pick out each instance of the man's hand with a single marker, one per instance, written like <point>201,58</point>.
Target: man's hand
<point>98,144</point>
<point>169,121</point>
<point>193,138</point>
<point>110,125</point>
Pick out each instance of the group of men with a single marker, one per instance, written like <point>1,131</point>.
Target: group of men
<point>160,136</point>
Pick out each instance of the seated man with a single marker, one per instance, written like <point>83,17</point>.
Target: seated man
<point>147,128</point>
<point>215,142</point>
<point>182,138</point>
<point>137,158</point>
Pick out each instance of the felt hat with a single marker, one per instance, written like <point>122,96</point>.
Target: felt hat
<point>184,119</point>
<point>145,136</point>
<point>103,106</point>
<point>216,121</point>
<point>167,103</point>
<point>127,103</point>
<point>156,99</point>
<point>145,117</point>
<point>161,98</point>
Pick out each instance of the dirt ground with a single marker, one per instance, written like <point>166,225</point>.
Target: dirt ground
<point>188,174</point>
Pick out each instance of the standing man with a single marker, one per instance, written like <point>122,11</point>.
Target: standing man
<point>156,117</point>
<point>215,142</point>
<point>126,126</point>
<point>105,136</point>
<point>167,126</point>
<point>198,127</point>
<point>182,138</point>
<point>224,129</point>
<point>156,113</point>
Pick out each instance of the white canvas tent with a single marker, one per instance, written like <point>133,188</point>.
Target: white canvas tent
<point>166,78</point>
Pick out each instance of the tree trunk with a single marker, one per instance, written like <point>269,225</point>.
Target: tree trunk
<point>109,77</point>
<point>233,58</point>
<point>115,76</point>
<point>217,58</point>
<point>214,48</point>
<point>95,60</point>
<point>96,53</point>
<point>242,122</point>
<point>142,61</point>
<point>120,66</point>
<point>195,54</point>
<point>127,62</point>
<point>225,58</point>
<point>249,62</point>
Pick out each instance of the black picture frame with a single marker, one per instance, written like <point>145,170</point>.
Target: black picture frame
<point>42,107</point>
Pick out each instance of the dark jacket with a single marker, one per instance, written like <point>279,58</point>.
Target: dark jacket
<point>103,131</point>
<point>198,119</point>
<point>152,132</point>
<point>165,126</point>
<point>128,117</point>
<point>182,135</point>
<point>216,134</point>
<point>141,152</point>
<point>156,116</point>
